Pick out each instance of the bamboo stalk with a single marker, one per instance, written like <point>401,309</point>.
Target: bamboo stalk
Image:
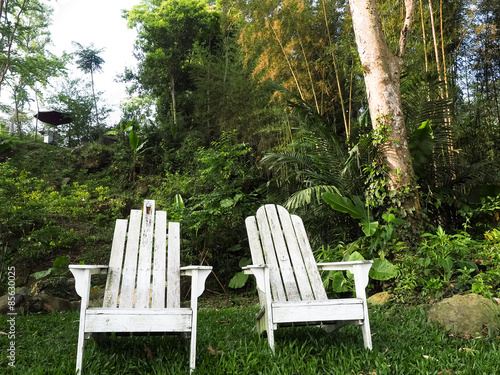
<point>309,72</point>
<point>445,75</point>
<point>434,39</point>
<point>424,38</point>
<point>288,62</point>
<point>346,125</point>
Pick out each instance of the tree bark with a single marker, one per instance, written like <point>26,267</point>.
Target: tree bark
<point>382,71</point>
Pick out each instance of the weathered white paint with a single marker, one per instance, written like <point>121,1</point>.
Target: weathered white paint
<point>281,240</point>
<point>142,275</point>
<point>159,261</point>
<point>143,286</point>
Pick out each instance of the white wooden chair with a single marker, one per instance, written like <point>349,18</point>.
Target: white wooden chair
<point>135,299</point>
<point>290,287</point>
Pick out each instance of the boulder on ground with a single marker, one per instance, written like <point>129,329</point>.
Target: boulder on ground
<point>469,314</point>
<point>25,301</point>
<point>379,298</point>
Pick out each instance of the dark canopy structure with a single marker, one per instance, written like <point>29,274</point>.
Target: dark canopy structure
<point>54,118</point>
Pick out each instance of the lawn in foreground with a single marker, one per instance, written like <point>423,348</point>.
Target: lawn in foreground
<point>227,344</point>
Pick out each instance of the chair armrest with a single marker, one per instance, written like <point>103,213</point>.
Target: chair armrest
<point>82,274</point>
<point>360,270</point>
<point>248,269</point>
<point>261,273</point>
<point>187,270</point>
<point>198,275</point>
<point>344,266</point>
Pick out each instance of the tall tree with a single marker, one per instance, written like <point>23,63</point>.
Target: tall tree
<point>89,61</point>
<point>11,17</point>
<point>73,96</point>
<point>27,66</point>
<point>382,70</point>
<point>168,32</point>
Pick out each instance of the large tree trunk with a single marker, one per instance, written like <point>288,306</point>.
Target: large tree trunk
<point>382,71</point>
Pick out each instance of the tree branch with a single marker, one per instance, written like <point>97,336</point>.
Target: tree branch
<point>405,31</point>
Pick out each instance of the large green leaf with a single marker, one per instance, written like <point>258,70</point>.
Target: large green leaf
<point>238,281</point>
<point>60,262</point>
<point>41,274</point>
<point>343,204</point>
<point>133,140</point>
<point>339,282</point>
<point>355,256</point>
<point>421,145</point>
<point>382,269</point>
<point>369,227</point>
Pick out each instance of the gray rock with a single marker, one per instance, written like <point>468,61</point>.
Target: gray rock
<point>23,291</point>
<point>56,304</point>
<point>469,314</point>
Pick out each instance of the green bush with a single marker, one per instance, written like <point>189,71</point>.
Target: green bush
<point>446,264</point>
<point>216,200</point>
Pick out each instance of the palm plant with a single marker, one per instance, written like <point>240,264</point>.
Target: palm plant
<point>444,169</point>
<point>314,163</point>
<point>89,61</point>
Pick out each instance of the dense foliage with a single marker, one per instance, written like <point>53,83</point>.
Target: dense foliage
<point>235,104</point>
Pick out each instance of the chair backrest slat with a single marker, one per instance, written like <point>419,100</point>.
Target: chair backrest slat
<point>115,264</point>
<point>299,269</point>
<point>130,264</point>
<point>159,261</point>
<point>277,288</point>
<point>143,288</point>
<point>310,263</point>
<point>142,280</point>
<point>173,274</point>
<point>280,248</point>
<point>255,247</point>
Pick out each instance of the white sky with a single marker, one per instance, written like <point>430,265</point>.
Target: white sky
<point>98,22</point>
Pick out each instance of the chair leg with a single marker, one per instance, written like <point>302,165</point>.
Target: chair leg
<point>192,355</point>
<point>367,336</point>
<point>270,338</point>
<point>269,329</point>
<point>81,343</point>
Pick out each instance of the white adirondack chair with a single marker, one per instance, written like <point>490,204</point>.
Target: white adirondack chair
<point>290,287</point>
<point>135,299</point>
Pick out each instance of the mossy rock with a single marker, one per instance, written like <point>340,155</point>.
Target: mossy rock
<point>379,298</point>
<point>466,315</point>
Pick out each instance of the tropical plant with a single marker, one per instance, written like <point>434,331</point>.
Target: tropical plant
<point>380,237</point>
<point>89,61</point>
<point>314,162</point>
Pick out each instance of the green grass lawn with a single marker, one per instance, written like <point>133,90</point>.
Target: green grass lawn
<point>227,344</point>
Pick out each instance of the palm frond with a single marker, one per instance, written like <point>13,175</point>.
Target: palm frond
<point>309,195</point>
